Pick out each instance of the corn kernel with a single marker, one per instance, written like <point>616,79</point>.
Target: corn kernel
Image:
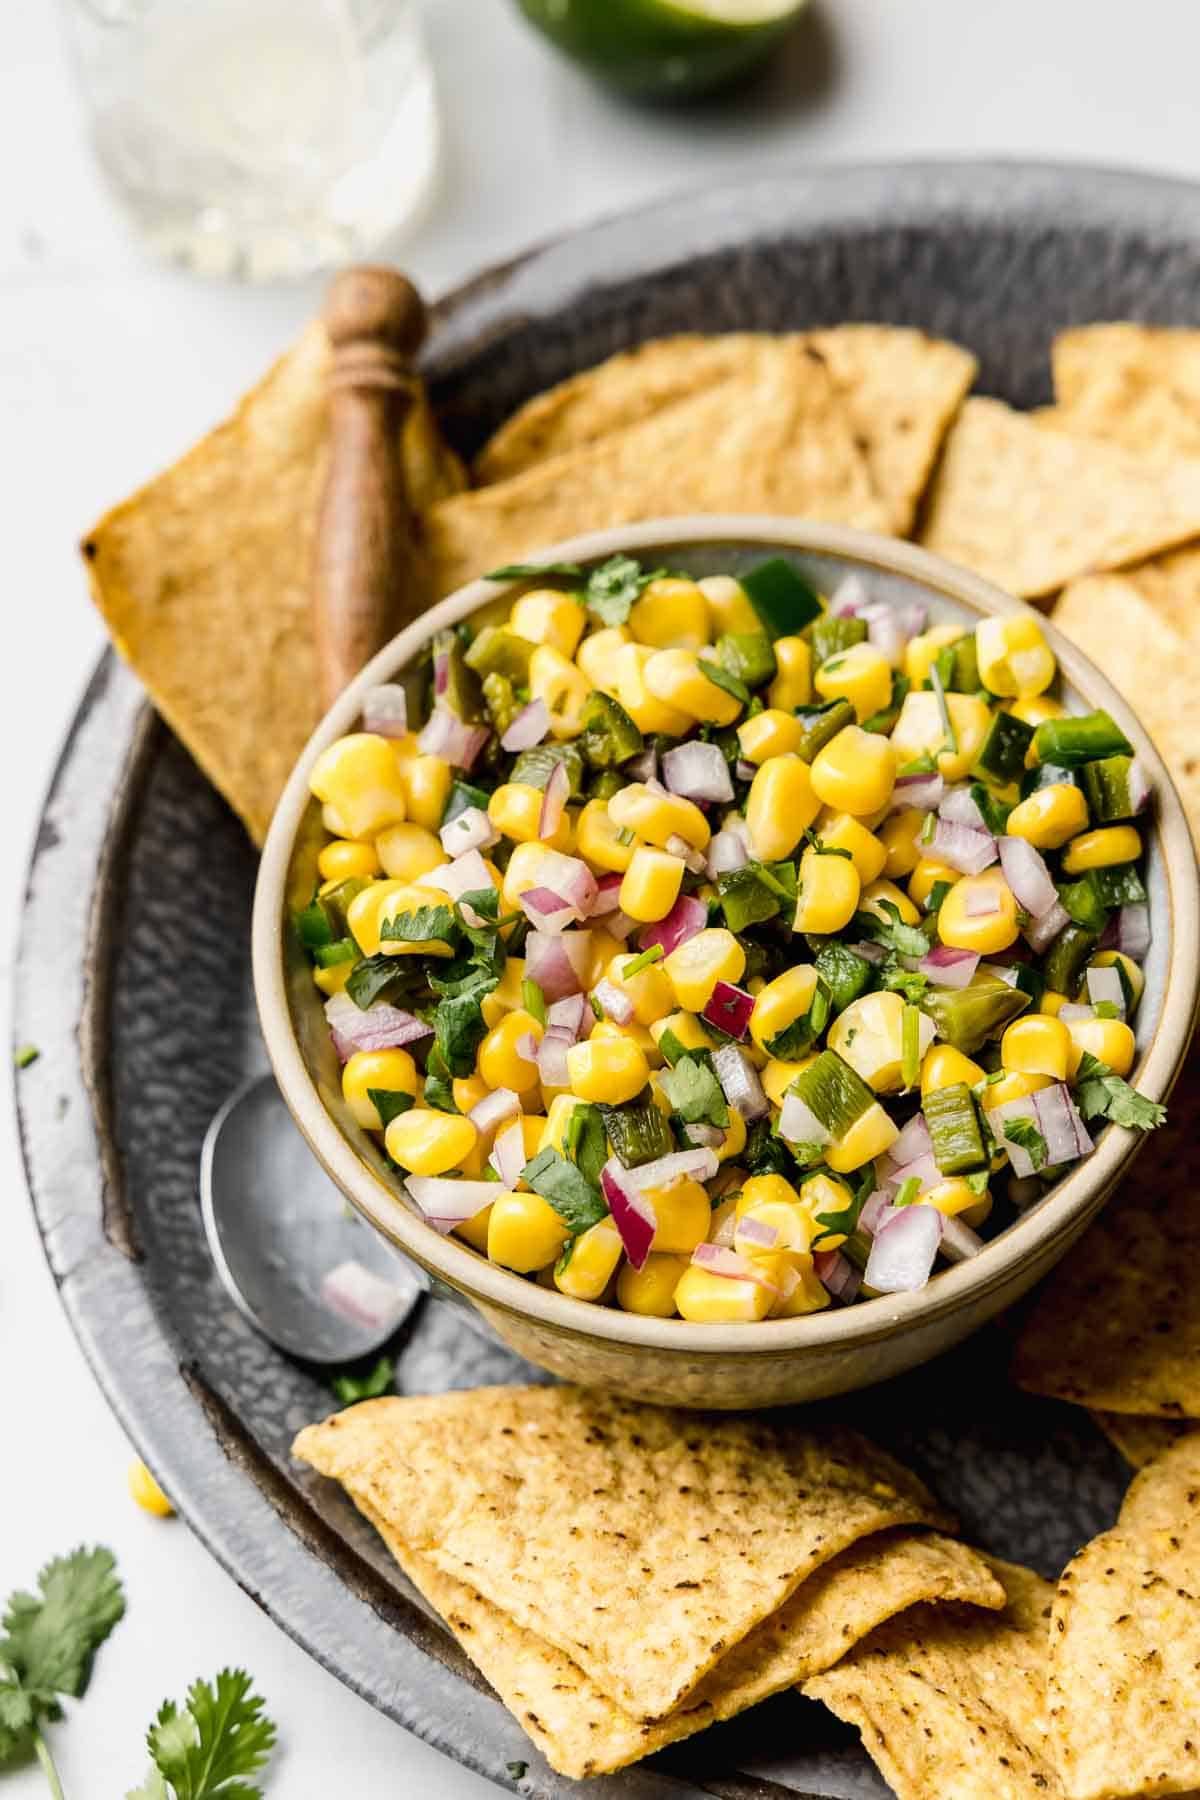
<point>782,804</point>
<point>648,712</point>
<point>1132,979</point>
<point>862,674</point>
<point>548,616</point>
<point>651,884</point>
<point>1109,1040</point>
<point>610,1070</point>
<point>1013,1086</point>
<point>146,1491</point>
<point>855,772</point>
<point>637,1034</point>
<point>951,1197</point>
<point>871,1134</point>
<point>1049,816</point>
<point>524,1233</point>
<point>900,836</point>
<point>869,1035</point>
<point>657,817</point>
<point>562,686</point>
<point>672,614</point>
<point>823,1198</point>
<point>792,685</point>
<point>769,733</point>
<point>925,877</point>
<point>468,1091</point>
<point>877,892</point>
<point>426,783</point>
<point>649,988</point>
<point>527,868</point>
<point>506,996</point>
<point>828,893</point>
<point>842,831</point>
<point>734,1141</point>
<point>1052,1003</point>
<point>333,979</point>
<point>708,1299</point>
<point>474,1231</point>
<point>344,859</point>
<point>777,1077</point>
<point>604,949</point>
<point>803,1292</point>
<point>516,809</point>
<point>943,1066</point>
<point>1035,712</point>
<point>409,851</point>
<point>695,966</point>
<point>650,1290</point>
<point>500,1061</point>
<point>690,1030</point>
<point>430,1143</point>
<point>781,1002</point>
<point>597,656</point>
<point>382,901</point>
<point>987,932</point>
<point>920,731</point>
<point>595,1255</point>
<point>389,1071</point>
<point>1036,1046</point>
<point>729,605</point>
<point>1102,849</point>
<point>922,651</point>
<point>677,678</point>
<point>683,1215</point>
<point>599,840</point>
<point>1015,661</point>
<point>359,776</point>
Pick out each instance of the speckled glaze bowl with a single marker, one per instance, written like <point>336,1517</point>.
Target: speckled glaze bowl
<point>667,1360</point>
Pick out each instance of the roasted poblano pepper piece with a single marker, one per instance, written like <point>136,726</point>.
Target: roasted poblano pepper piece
<point>967,1017</point>
<point>830,635</point>
<point>821,724</point>
<point>535,767</point>
<point>1113,792</point>
<point>462,694</point>
<point>781,597</point>
<point>610,736</point>
<point>954,1129</point>
<point>498,650</point>
<point>833,1092</point>
<point>1066,956</point>
<point>844,972</point>
<point>1080,738</point>
<point>748,655</point>
<point>1002,753</point>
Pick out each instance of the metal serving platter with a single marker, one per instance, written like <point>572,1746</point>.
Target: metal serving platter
<point>133,974</point>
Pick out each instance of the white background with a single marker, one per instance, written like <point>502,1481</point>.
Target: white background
<point>109,367</point>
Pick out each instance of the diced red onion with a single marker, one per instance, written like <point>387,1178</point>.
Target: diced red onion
<point>799,1124</point>
<point>969,851</point>
<point>913,616</point>
<point>360,1294</point>
<point>694,860</point>
<point>1071,1014</point>
<point>849,597</point>
<point>508,1153</point>
<point>526,1047</point>
<point>729,1009</point>
<point>720,1261</point>
<point>959,1242</point>
<point>959,808</point>
<point>755,1232</point>
<point>560,963</point>
<point>1133,930</point>
<point>451,738</point>
<point>685,919</point>
<point>546,910</point>
<point>554,801</point>
<point>447,1202</point>
<point>923,1168</point>
<point>608,896</point>
<point>528,728</point>
<point>378,1027</point>
<point>949,968</point>
<point>471,829</point>
<point>837,1274</point>
<point>740,1083</point>
<point>875,1206</point>
<point>467,874</point>
<point>1027,875</point>
<point>1040,933</point>
<point>569,1015</point>
<point>632,1214</point>
<point>385,710</point>
<point>914,1141</point>
<point>441,672</point>
<point>903,1250</point>
<point>981,902</point>
<point>552,1057</point>
<point>570,877</point>
<point>708,1137</point>
<point>698,772</point>
<point>620,925</point>
<point>679,1165</point>
<point>922,791</point>
<point>1053,1113</point>
<point>613,1002</point>
<point>1140,786</point>
<point>744,769</point>
<point>727,851</point>
<point>1104,984</point>
<point>643,767</point>
<point>502,1103</point>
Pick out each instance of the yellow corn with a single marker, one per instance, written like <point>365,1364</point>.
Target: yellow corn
<point>648,712</point>
<point>782,1002</point>
<point>637,1034</point>
<point>677,678</point>
<point>468,1091</point>
<point>777,1077</point>
<point>1052,1003</point>
<point>390,1071</point>
<point>651,884</point>
<point>792,685</point>
<point>604,949</point>
<point>985,932</point>
<point>333,979</point>
<point>869,1035</point>
<point>734,1141</point>
<point>683,1215</point>
<point>1035,712</point>
<point>696,966</point>
<point>650,1290</point>
<point>769,733</point>
<point>344,859</point>
<point>1013,1086</point>
<point>146,1491</point>
<point>729,605</point>
<point>823,1197</point>
<point>409,851</point>
<point>430,1143</point>
<point>592,1263</point>
<point>499,1061</point>
<point>1134,980</point>
<point>527,868</point>
<point>952,1197</point>
<point>1049,816</point>
<point>548,616</point>
<point>855,772</point>
<point>611,1070</point>
<point>870,1135</point>
<point>900,837</point>
<point>359,775</point>
<point>524,1233</point>
<point>516,809</point>
<point>690,1030</point>
<point>426,783</point>
<point>708,1299</point>
<point>474,1231</point>
<point>876,892</point>
<point>807,1293</point>
<point>672,614</point>
<point>1014,658</point>
<point>597,656</point>
<point>1102,849</point>
<point>599,841</point>
<point>371,909</point>
<point>944,1066</point>
<point>562,686</point>
<point>506,996</point>
<point>842,831</point>
<point>657,817</point>
<point>828,893</point>
<point>919,731</point>
<point>862,674</point>
<point>649,988</point>
<point>333,822</point>
<point>782,804</point>
<point>1110,1040</point>
<point>925,877</point>
<point>922,652</point>
<point>1036,1046</point>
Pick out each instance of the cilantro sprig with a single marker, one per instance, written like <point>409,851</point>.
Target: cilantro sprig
<point>609,590</point>
<point>891,931</point>
<point>1099,1094</point>
<point>1025,1134</point>
<point>202,1751</point>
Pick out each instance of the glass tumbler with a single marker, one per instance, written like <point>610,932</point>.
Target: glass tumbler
<point>260,138</point>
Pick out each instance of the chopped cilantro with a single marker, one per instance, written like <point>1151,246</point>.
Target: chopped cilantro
<point>732,684</point>
<point>389,1103</point>
<point>586,1141</point>
<point>845,1220</point>
<point>1099,1094</point>
<point>438,1090</point>
<point>533,999</point>
<point>695,1094</point>
<point>672,1047</point>
<point>891,932</point>
<point>567,1190</point>
<point>920,765</point>
<point>1025,1134</point>
<point>428,924</point>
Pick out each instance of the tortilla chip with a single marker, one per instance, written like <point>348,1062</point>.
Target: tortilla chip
<point>581,1731</point>
<point>1140,1440</point>
<point>900,388</point>
<point>1033,509</point>
<point>1148,660</point>
<point>1124,1670</point>
<point>775,439</point>
<point>643,1543</point>
<point>1117,1325</point>
<point>204,577</point>
<point>1138,385</point>
<point>952,1703</point>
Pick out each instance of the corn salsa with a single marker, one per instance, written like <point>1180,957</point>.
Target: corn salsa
<point>723,950</point>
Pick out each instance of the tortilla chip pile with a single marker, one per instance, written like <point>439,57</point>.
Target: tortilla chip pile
<point>625,1576</point>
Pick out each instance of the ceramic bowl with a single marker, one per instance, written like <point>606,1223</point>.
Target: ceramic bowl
<point>667,1360</point>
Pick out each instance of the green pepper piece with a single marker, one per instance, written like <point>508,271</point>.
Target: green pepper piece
<point>885,721</point>
<point>1064,960</point>
<point>756,892</point>
<point>1047,775</point>
<point>535,767</point>
<point>1083,901</point>
<point>464,794</point>
<point>499,650</point>
<point>1031,981</point>
<point>500,702</point>
<point>843,971</point>
<point>609,735</point>
<point>637,1131</point>
<point>1080,738</point>
<point>781,597</point>
<point>1119,886</point>
<point>833,1092</point>
<point>820,724</point>
<point>1002,753</point>
<point>830,635</point>
<point>995,811</point>
<point>748,655</point>
<point>954,1129</point>
<point>463,693</point>
<point>605,783</point>
<point>1109,790</point>
<point>314,926</point>
<point>967,1017</point>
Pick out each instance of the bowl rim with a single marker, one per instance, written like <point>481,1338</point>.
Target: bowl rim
<point>1033,1237</point>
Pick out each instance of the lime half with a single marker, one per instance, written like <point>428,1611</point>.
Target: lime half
<point>664,49</point>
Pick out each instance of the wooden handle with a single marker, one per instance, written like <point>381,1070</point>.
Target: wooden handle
<point>376,321</point>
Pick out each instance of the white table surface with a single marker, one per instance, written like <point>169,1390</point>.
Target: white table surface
<point>110,366</point>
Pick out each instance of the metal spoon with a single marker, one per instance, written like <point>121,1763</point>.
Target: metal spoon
<point>277,1226</point>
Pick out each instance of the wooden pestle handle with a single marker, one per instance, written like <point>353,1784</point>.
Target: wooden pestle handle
<point>376,322</point>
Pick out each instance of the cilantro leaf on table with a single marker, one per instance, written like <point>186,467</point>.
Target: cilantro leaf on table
<point>49,1643</point>
<point>891,932</point>
<point>567,1189</point>
<point>1025,1134</point>
<point>378,1380</point>
<point>695,1094</point>
<point>204,1751</point>
<point>1099,1094</point>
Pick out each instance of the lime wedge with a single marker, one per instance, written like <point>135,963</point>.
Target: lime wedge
<point>664,49</point>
